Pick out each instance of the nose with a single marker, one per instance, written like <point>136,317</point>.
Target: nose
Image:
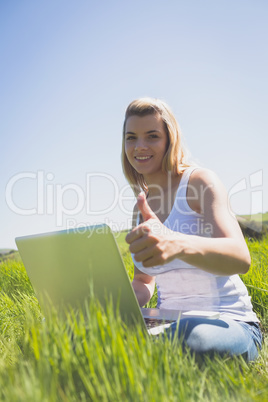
<point>140,145</point>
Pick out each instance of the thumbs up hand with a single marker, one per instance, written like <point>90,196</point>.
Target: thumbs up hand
<point>151,242</point>
<point>145,209</point>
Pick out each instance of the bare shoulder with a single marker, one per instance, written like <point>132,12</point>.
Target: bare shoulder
<point>203,176</point>
<point>213,203</point>
<point>204,189</point>
<point>205,180</point>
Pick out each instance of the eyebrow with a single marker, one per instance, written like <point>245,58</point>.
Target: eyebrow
<point>147,132</point>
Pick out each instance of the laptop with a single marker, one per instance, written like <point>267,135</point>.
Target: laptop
<point>64,266</point>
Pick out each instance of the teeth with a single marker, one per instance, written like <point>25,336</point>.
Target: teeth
<point>143,157</point>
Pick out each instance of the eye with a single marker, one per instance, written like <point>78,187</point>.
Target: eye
<point>130,137</point>
<point>153,136</point>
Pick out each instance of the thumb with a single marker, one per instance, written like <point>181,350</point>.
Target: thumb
<point>144,208</point>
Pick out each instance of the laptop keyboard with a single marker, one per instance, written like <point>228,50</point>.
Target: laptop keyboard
<point>153,322</point>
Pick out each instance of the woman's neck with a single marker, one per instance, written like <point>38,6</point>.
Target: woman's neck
<point>161,183</point>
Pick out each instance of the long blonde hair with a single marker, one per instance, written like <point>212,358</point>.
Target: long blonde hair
<point>174,161</point>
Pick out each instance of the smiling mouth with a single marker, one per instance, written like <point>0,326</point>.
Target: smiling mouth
<point>143,158</point>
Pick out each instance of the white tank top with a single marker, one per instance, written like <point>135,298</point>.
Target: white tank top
<point>182,286</point>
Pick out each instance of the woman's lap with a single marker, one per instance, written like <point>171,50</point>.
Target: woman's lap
<point>222,336</point>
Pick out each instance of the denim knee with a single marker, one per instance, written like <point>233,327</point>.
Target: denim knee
<point>218,336</point>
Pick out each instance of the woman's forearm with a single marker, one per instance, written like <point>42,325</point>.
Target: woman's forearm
<point>143,291</point>
<point>220,256</point>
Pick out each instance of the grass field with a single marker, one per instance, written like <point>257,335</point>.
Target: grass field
<point>94,357</point>
<point>257,217</point>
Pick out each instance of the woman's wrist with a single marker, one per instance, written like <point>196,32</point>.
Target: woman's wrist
<point>143,291</point>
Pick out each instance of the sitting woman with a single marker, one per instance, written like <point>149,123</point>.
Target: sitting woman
<point>184,237</point>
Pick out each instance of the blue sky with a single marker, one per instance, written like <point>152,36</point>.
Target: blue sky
<point>68,71</point>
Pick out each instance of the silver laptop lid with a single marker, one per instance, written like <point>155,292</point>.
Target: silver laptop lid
<point>64,265</point>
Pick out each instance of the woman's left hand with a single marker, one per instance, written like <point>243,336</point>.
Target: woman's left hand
<point>151,242</point>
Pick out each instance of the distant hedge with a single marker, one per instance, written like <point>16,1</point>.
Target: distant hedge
<point>253,229</point>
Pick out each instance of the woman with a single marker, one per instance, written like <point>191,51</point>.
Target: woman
<point>184,237</point>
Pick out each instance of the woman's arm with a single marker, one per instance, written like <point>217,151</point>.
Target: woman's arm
<point>225,253</point>
<point>143,286</point>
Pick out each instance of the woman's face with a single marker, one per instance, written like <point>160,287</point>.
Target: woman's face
<point>146,143</point>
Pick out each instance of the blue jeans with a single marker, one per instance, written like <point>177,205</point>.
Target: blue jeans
<point>222,336</point>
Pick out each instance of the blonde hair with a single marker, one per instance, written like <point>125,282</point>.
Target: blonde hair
<point>174,160</point>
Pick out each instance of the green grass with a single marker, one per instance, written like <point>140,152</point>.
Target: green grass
<point>94,357</point>
<point>257,217</point>
<point>10,255</point>
<point>256,279</point>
